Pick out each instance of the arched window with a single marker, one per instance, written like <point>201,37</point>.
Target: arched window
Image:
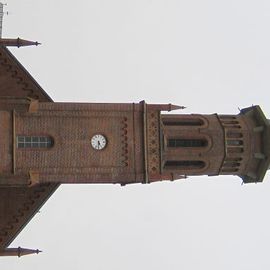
<point>234,142</point>
<point>234,150</point>
<point>183,164</point>
<point>187,143</point>
<point>182,122</point>
<point>34,142</point>
<point>234,134</point>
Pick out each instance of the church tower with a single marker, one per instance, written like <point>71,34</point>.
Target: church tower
<point>45,142</point>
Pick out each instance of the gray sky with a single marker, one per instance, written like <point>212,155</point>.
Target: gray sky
<point>211,56</point>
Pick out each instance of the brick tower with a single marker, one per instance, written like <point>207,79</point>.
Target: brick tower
<point>47,142</point>
<point>44,144</point>
<point>216,144</point>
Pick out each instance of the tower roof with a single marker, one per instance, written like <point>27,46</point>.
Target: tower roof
<point>263,128</point>
<point>19,205</point>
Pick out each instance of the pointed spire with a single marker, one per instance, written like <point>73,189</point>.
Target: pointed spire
<point>165,107</point>
<point>176,107</point>
<point>18,251</point>
<point>17,42</point>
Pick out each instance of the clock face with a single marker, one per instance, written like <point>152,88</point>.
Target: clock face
<point>98,142</point>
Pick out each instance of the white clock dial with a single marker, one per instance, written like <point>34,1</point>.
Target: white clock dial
<point>98,142</point>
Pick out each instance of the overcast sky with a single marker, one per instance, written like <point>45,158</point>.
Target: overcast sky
<point>211,56</point>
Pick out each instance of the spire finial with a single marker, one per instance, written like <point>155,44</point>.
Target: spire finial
<point>17,42</point>
<point>173,107</point>
<point>18,251</point>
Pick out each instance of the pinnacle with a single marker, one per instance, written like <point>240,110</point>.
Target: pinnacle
<point>176,107</point>
<point>17,42</point>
